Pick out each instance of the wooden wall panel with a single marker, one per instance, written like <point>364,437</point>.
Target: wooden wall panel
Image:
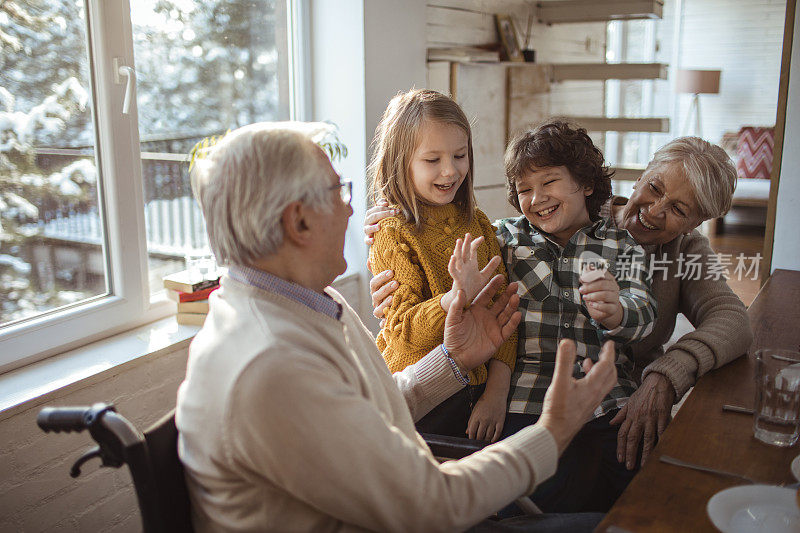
<point>526,79</point>
<point>482,94</point>
<point>439,76</point>
<point>484,6</point>
<point>523,112</point>
<point>492,200</point>
<point>577,98</point>
<point>459,18</point>
<point>481,89</point>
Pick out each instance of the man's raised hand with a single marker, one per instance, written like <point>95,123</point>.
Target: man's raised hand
<point>569,402</point>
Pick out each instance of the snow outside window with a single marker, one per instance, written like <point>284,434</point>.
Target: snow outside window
<point>204,67</point>
<point>95,204</point>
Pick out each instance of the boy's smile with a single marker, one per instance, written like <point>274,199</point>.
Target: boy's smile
<point>553,202</point>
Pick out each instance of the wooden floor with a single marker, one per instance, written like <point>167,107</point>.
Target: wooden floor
<point>734,240</point>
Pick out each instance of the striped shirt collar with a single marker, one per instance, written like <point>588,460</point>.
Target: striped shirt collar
<point>317,301</point>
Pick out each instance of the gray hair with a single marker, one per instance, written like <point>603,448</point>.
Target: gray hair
<point>249,177</point>
<point>708,168</point>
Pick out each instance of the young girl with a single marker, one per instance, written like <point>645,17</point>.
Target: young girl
<point>422,165</point>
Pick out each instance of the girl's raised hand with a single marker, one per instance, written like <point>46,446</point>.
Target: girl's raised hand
<point>463,268</point>
<point>375,214</point>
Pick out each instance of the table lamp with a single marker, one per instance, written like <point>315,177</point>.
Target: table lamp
<point>697,82</point>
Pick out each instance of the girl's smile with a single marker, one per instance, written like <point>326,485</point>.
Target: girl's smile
<point>440,163</point>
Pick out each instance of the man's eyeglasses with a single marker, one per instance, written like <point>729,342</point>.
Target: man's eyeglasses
<point>345,190</point>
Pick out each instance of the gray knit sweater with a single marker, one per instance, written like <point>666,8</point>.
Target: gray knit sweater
<point>722,331</point>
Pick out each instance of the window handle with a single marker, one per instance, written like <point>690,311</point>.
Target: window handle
<point>130,74</point>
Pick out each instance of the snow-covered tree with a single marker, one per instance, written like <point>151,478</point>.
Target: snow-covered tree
<point>206,66</point>
<point>203,66</point>
<point>35,108</point>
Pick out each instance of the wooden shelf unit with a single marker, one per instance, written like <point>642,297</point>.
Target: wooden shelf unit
<point>646,125</point>
<point>566,11</point>
<point>608,71</point>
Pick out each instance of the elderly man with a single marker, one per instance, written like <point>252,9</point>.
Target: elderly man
<point>289,418</point>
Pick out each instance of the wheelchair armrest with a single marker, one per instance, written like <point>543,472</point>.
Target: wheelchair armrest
<point>444,447</point>
<point>447,447</point>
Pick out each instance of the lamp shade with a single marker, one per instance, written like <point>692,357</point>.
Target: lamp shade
<point>698,81</point>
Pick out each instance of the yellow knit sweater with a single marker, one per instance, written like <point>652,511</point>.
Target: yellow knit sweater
<point>415,320</point>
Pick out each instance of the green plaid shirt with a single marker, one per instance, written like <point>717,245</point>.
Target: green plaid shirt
<point>552,308</point>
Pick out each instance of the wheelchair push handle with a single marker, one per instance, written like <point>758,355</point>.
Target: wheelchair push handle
<point>70,419</point>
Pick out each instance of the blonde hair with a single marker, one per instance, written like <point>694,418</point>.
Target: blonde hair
<point>708,169</point>
<point>398,136</point>
<point>249,177</point>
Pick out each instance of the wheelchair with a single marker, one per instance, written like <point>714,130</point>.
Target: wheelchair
<point>152,458</point>
<point>156,470</point>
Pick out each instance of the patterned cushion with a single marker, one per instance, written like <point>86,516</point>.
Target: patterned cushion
<point>755,152</point>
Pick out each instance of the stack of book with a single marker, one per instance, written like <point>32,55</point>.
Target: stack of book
<point>191,292</point>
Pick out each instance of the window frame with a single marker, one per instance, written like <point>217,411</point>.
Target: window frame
<point>615,97</point>
<point>127,303</point>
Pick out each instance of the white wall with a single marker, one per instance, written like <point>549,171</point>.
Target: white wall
<point>786,247</point>
<point>363,53</point>
<point>744,40</point>
<point>337,94</point>
<point>395,53</point>
<point>36,491</point>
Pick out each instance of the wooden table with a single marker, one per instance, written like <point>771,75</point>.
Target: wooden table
<point>664,497</point>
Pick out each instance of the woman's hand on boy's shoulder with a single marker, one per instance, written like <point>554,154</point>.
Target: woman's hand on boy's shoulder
<point>373,217</point>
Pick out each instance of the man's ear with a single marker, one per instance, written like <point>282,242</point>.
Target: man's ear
<point>588,190</point>
<point>296,223</point>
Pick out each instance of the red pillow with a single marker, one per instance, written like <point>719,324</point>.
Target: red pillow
<point>754,149</point>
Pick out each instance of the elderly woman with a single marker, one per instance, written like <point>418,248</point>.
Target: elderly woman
<point>688,181</point>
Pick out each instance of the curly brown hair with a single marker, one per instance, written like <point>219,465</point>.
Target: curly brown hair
<point>553,144</point>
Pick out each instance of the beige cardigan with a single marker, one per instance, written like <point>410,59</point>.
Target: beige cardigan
<point>722,331</point>
<point>289,420</point>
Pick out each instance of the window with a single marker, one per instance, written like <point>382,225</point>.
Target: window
<point>49,173</point>
<point>203,67</point>
<point>95,202</point>
<point>631,41</point>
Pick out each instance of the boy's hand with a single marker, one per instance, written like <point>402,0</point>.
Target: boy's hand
<point>601,294</point>
<point>463,267</point>
<point>487,418</point>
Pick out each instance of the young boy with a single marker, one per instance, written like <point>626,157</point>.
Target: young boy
<point>555,177</point>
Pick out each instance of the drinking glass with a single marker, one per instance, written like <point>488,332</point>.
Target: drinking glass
<point>201,264</point>
<point>776,414</point>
